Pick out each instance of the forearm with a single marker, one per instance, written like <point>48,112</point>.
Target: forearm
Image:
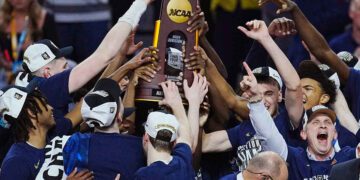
<point>265,129</point>
<point>108,48</point>
<point>344,114</point>
<point>129,98</point>
<point>282,63</point>
<point>120,73</point>
<point>214,57</point>
<point>193,117</point>
<point>116,62</point>
<point>318,45</point>
<point>184,128</point>
<point>226,91</point>
<point>75,115</point>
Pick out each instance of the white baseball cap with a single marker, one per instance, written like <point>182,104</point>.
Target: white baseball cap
<point>12,100</point>
<point>100,106</point>
<point>269,72</point>
<point>157,121</point>
<point>42,52</point>
<point>332,75</point>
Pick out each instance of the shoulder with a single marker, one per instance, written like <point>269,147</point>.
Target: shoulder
<point>183,151</point>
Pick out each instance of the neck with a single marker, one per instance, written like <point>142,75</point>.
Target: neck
<point>114,128</point>
<point>356,34</point>
<point>320,157</point>
<point>37,137</point>
<point>153,155</point>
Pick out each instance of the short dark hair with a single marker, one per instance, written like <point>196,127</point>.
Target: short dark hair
<point>162,141</point>
<point>20,126</point>
<point>309,69</point>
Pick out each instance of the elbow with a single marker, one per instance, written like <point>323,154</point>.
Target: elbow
<point>294,85</point>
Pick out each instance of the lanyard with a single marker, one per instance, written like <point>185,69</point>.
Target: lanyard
<point>16,44</point>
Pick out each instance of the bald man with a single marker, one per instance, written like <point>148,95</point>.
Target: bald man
<point>266,165</point>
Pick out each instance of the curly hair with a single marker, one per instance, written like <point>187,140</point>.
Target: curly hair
<point>21,126</point>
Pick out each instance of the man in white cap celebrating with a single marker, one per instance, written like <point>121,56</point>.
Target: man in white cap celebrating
<point>164,130</point>
<point>46,61</point>
<point>105,152</point>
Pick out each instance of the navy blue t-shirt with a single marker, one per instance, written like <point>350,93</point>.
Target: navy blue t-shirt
<point>344,42</point>
<point>301,167</point>
<point>113,153</point>
<point>56,90</point>
<point>180,167</point>
<point>22,162</point>
<point>352,92</point>
<point>246,146</point>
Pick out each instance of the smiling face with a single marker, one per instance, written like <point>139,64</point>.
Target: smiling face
<point>319,133</point>
<point>46,117</point>
<point>271,97</point>
<point>312,93</point>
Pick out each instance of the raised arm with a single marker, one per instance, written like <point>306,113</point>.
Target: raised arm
<point>197,22</point>
<point>313,39</point>
<point>110,45</point>
<point>127,48</point>
<point>195,95</point>
<point>293,92</point>
<point>173,100</point>
<point>260,118</point>
<point>233,101</point>
<point>344,114</point>
<point>144,56</point>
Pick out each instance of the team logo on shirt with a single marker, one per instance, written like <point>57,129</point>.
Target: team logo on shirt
<point>36,165</point>
<point>246,152</point>
<point>318,177</point>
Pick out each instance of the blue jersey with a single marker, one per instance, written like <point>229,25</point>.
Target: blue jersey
<point>56,90</point>
<point>302,168</point>
<point>246,146</point>
<point>106,154</point>
<point>344,42</point>
<point>22,162</point>
<point>180,167</point>
<point>352,92</point>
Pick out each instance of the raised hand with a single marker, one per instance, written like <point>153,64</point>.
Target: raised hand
<point>197,91</point>
<point>283,5</point>
<point>197,60</point>
<point>149,54</point>
<point>282,27</point>
<point>258,30</point>
<point>129,47</point>
<point>249,84</point>
<point>172,96</point>
<point>197,22</point>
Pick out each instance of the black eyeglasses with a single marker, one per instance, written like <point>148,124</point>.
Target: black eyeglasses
<point>265,177</point>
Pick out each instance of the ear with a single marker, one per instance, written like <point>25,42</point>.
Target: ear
<point>280,96</point>
<point>33,118</point>
<point>336,134</point>
<point>46,72</point>
<point>303,135</point>
<point>324,99</point>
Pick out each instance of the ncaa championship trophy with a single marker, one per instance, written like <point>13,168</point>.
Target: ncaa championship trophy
<point>175,44</point>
